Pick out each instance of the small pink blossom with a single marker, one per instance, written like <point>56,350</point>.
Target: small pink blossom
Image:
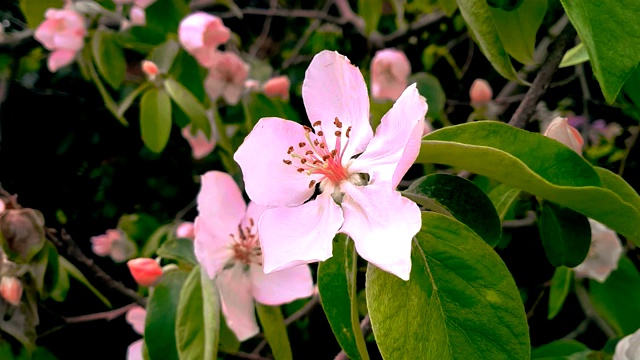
<point>136,317</point>
<point>226,77</point>
<point>114,244</point>
<point>251,84</point>
<point>186,230</point>
<point>150,69</point>
<point>278,87</point>
<point>285,163</point>
<point>145,271</point>
<point>480,92</point>
<point>62,32</point>
<point>604,253</point>
<point>561,131</point>
<point>11,290</point>
<point>200,34</point>
<point>227,245</point>
<point>390,69</point>
<point>200,145</point>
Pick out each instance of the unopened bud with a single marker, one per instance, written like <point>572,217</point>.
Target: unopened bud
<point>480,92</point>
<point>186,230</point>
<point>560,130</point>
<point>11,290</point>
<point>23,232</point>
<point>145,271</point>
<point>150,69</point>
<point>278,86</point>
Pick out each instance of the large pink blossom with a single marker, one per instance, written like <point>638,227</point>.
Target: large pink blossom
<point>63,33</point>
<point>226,77</point>
<point>227,245</point>
<point>390,69</point>
<point>354,173</point>
<point>200,34</point>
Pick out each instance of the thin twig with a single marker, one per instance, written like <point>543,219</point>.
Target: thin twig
<point>422,22</point>
<point>315,24</point>
<point>529,220</point>
<point>186,209</point>
<point>289,13</point>
<point>365,327</point>
<point>579,330</point>
<point>106,315</point>
<point>629,144</point>
<point>590,312</point>
<point>262,38</point>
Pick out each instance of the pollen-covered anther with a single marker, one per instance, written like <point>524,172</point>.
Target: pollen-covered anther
<point>338,133</point>
<point>309,152</point>
<point>300,170</point>
<point>306,128</point>
<point>251,222</point>
<point>317,123</point>
<point>288,162</point>
<point>337,123</point>
<point>348,131</point>
<point>325,157</point>
<point>333,153</point>
<point>320,133</point>
<point>303,161</point>
<point>290,150</point>
<point>312,184</point>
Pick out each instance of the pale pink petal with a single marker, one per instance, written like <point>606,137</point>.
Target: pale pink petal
<point>213,250</point>
<point>561,131</point>
<point>237,302</point>
<point>45,34</point>
<point>60,58</point>
<point>138,16</point>
<point>268,179</point>
<point>397,142</point>
<point>278,87</point>
<point>205,56</point>
<point>382,224</point>
<point>214,86</point>
<point>202,30</point>
<point>200,145</point>
<point>136,317</point>
<point>186,230</point>
<point>604,254</point>
<point>232,93</point>
<point>333,88</point>
<point>101,245</point>
<point>143,3</point>
<point>68,41</point>
<point>281,287</point>
<point>134,351</point>
<point>254,213</point>
<point>292,236</point>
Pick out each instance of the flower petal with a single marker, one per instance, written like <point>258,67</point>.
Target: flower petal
<point>281,287</point>
<point>397,142</point>
<point>292,236</point>
<point>136,317</point>
<point>334,88</point>
<point>268,179</point>
<point>237,302</point>
<point>134,351</point>
<point>382,224</point>
<point>60,58</point>
<point>212,250</point>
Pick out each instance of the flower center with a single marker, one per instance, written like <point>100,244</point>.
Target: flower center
<point>316,157</point>
<point>246,246</point>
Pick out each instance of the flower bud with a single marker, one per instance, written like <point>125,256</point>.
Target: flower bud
<point>560,130</point>
<point>150,69</point>
<point>23,232</point>
<point>278,86</point>
<point>11,290</point>
<point>604,254</point>
<point>186,230</point>
<point>145,271</point>
<point>390,69</point>
<point>480,92</point>
<point>138,16</point>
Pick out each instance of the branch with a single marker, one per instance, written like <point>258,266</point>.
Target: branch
<point>529,220</point>
<point>107,315</point>
<point>289,13</point>
<point>422,22</point>
<point>590,312</point>
<point>365,327</point>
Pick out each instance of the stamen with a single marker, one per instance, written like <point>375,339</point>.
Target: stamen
<point>303,161</point>
<point>348,131</point>
<point>300,170</point>
<point>302,144</point>
<point>316,142</point>
<point>312,184</point>
<point>309,152</point>
<point>333,153</point>
<point>320,133</point>
<point>288,162</point>
<point>338,133</point>
<point>317,123</point>
<point>337,123</point>
<point>306,128</point>
<point>251,222</point>
<point>325,157</point>
<point>290,150</point>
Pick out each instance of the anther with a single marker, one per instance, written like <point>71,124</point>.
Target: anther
<point>288,162</point>
<point>337,123</point>
<point>348,131</point>
<point>338,133</point>
<point>309,152</point>
<point>251,222</point>
<point>317,123</point>
<point>322,145</point>
<point>303,161</point>
<point>317,162</point>
<point>312,184</point>
<point>306,128</point>
<point>316,142</point>
<point>333,153</point>
<point>326,157</point>
<point>320,133</point>
<point>302,144</point>
<point>290,150</point>
<point>300,170</point>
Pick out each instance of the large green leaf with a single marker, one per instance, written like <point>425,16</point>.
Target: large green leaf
<point>538,165</point>
<point>160,323</point>
<point>618,298</point>
<point>503,196</point>
<point>448,6</point>
<point>610,31</point>
<point>460,302</point>
<point>559,290</point>
<point>189,105</point>
<point>462,199</point>
<point>163,16</point>
<point>178,249</point>
<point>155,119</point>
<point>518,28</point>
<point>229,342</point>
<point>109,57</point>
<point>337,287</point>
<point>198,317</point>
<point>565,235</point>
<point>275,331</point>
<point>559,349</point>
<point>33,10</point>
<point>482,26</point>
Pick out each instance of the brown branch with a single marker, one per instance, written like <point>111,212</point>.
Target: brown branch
<point>590,312</point>
<point>365,327</point>
<point>527,107</point>
<point>529,220</point>
<point>289,13</point>
<point>107,315</point>
<point>422,22</point>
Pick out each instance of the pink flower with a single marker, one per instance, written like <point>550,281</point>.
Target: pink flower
<point>278,86</point>
<point>136,318</point>
<point>145,271</point>
<point>186,230</point>
<point>200,34</point>
<point>390,69</point>
<point>285,163</point>
<point>114,244</point>
<point>604,253</point>
<point>138,16</point>
<point>227,246</point>
<point>561,131</point>
<point>150,69</point>
<point>11,290</point>
<point>2,206</point>
<point>62,32</point>
<point>628,348</point>
<point>200,145</point>
<point>226,77</point>
<point>480,92</point>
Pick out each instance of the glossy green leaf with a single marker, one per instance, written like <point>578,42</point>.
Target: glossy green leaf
<point>429,87</point>
<point>565,235</point>
<point>617,300</point>
<point>33,10</point>
<point>198,317</point>
<point>275,331</point>
<point>538,165</point>
<point>125,104</point>
<point>574,56</point>
<point>460,302</point>
<point>178,249</point>
<point>155,119</point>
<point>109,57</point>
<point>370,11</point>
<point>632,87</point>
<point>337,287</point>
<point>506,5</point>
<point>558,349</point>
<point>163,16</point>
<point>560,284</point>
<point>189,105</point>
<point>481,25</point>
<point>73,271</point>
<point>186,71</point>
<point>518,28</point>
<point>448,6</point>
<point>610,31</point>
<point>463,200</point>
<point>503,197</point>
<point>160,323</point>
<point>85,61</point>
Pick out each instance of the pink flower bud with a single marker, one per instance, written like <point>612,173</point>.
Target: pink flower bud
<point>145,271</point>
<point>427,127</point>
<point>390,69</point>
<point>278,86</point>
<point>560,130</point>
<point>101,244</point>
<point>11,290</point>
<point>480,91</point>
<point>150,69</point>
<point>200,34</point>
<point>226,77</point>
<point>186,230</point>
<point>63,33</point>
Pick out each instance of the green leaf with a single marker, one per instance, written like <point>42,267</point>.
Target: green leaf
<point>370,11</point>
<point>503,197</point>
<point>275,331</point>
<point>33,10</point>
<point>163,16</point>
<point>483,28</point>
<point>518,28</point>
<point>462,199</point>
<point>337,287</point>
<point>164,55</point>
<point>156,239</point>
<point>178,249</point>
<point>189,105</point>
<point>86,63</point>
<point>429,87</point>
<point>559,290</point>
<point>448,6</point>
<point>138,226</point>
<point>610,31</point>
<point>257,106</point>
<point>574,56</point>
<point>632,87</point>
<point>128,100</point>
<point>109,57</point>
<point>558,349</point>
<point>73,271</point>
<point>61,287</point>
<point>186,71</point>
<point>565,235</point>
<point>155,119</point>
<point>460,302</point>
<point>617,300</point>
<point>160,323</point>
<point>536,164</point>
<point>615,183</point>
<point>198,317</point>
